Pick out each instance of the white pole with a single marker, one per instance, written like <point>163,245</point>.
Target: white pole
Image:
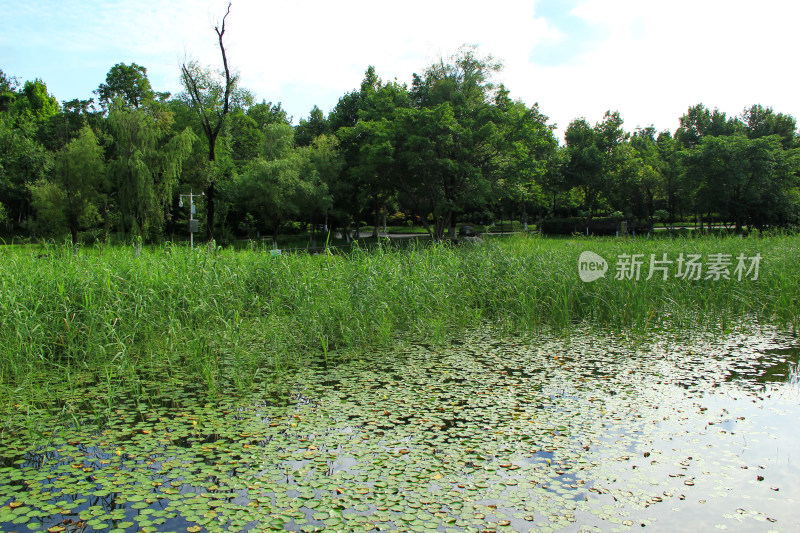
<point>191,217</point>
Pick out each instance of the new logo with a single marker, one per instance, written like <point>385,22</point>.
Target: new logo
<point>591,266</point>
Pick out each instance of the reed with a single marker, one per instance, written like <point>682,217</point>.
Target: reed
<point>232,318</point>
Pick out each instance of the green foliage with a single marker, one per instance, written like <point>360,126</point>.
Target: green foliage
<point>311,128</point>
<point>245,139</point>
<point>699,122</point>
<point>59,129</point>
<point>283,183</point>
<point>108,305</point>
<point>527,144</point>
<point>278,141</point>
<point>128,83</point>
<point>267,113</point>
<point>23,161</point>
<point>35,99</point>
<point>145,164</point>
<point>77,187</point>
<point>8,88</point>
<point>764,122</point>
<point>48,199</point>
<point>584,168</point>
<point>748,181</point>
<point>453,146</point>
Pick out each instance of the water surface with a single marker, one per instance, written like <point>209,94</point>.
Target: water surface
<point>588,433</point>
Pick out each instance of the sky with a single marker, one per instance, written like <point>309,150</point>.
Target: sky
<point>648,59</point>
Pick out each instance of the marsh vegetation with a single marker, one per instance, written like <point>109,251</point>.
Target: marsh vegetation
<point>419,388</point>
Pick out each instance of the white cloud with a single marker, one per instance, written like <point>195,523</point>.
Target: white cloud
<point>661,57</point>
<point>649,59</point>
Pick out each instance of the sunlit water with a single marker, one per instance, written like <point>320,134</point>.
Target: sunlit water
<point>541,434</point>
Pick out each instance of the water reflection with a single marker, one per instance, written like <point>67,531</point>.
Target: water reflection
<point>537,433</point>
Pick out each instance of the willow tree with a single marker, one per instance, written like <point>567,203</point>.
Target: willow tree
<point>145,165</point>
<point>210,95</point>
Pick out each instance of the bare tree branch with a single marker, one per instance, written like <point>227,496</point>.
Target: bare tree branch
<point>212,114</point>
<point>228,82</point>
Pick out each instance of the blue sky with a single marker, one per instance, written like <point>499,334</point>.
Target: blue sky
<point>576,35</point>
<point>648,59</point>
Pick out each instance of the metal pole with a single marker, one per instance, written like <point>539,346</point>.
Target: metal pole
<point>191,213</point>
<point>191,217</point>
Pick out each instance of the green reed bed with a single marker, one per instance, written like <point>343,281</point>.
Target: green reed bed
<point>234,318</point>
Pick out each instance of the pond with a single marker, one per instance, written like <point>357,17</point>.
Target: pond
<point>585,433</point>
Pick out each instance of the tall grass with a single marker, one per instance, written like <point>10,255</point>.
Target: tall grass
<point>229,317</point>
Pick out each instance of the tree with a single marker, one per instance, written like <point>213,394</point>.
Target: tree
<point>669,153</point>
<point>770,196</point>
<point>311,128</point>
<point>745,181</point>
<point>373,168</point>
<point>345,112</point>
<point>636,179</point>
<point>361,122</point>
<point>449,162</point>
<point>525,145</point>
<point>23,161</point>
<point>552,180</point>
<point>76,186</point>
<point>145,163</point>
<point>344,190</point>
<point>267,113</point>
<point>635,182</point>
<point>128,83</point>
<point>327,161</point>
<point>35,99</point>
<point>270,187</point>
<point>8,91</point>
<point>763,122</point>
<point>584,164</point>
<point>59,129</point>
<point>312,197</point>
<point>211,96</point>
<point>245,139</point>
<point>428,179</point>
<point>699,122</point>
<point>598,162</point>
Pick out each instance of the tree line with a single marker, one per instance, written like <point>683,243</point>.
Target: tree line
<point>452,147</point>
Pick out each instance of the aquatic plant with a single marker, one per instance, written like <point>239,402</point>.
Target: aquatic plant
<point>229,316</point>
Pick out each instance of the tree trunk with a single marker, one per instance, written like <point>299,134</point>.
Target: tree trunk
<point>524,217</point>
<point>427,228</point>
<point>106,223</point>
<point>438,227</point>
<point>210,195</point>
<point>211,121</point>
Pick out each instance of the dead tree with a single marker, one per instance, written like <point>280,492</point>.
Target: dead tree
<point>211,110</point>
